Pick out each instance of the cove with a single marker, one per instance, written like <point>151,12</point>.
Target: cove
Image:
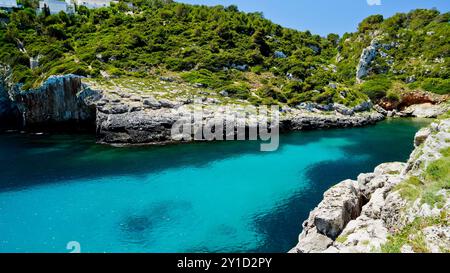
<point>203,197</point>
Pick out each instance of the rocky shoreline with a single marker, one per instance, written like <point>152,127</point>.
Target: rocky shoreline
<point>117,117</point>
<point>360,216</point>
<point>64,102</point>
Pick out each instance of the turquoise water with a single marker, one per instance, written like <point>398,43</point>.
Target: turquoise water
<point>207,197</point>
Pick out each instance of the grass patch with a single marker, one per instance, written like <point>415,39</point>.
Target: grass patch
<point>342,239</point>
<point>412,235</point>
<point>410,189</point>
<point>435,178</point>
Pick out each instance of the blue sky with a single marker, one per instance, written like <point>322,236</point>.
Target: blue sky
<point>325,16</point>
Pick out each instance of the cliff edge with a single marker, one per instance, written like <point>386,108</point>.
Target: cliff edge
<point>400,207</point>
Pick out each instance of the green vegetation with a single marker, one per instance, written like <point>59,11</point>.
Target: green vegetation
<point>436,178</point>
<point>341,239</point>
<point>412,235</point>
<point>436,85</point>
<point>223,49</point>
<point>414,46</point>
<point>376,88</point>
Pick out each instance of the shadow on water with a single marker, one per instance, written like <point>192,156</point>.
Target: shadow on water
<point>392,141</point>
<point>30,160</point>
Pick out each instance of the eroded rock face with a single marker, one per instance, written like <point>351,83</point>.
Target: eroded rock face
<point>59,102</point>
<point>9,114</point>
<point>367,56</point>
<point>416,104</point>
<point>340,205</point>
<point>421,136</point>
<point>151,120</point>
<point>384,211</point>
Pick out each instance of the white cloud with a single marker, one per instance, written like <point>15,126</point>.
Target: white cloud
<point>374,2</point>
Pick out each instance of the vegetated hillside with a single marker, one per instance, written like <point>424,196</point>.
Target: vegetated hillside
<point>413,53</point>
<point>224,49</point>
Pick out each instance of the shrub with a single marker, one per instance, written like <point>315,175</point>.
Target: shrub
<point>376,88</point>
<point>392,96</point>
<point>202,76</point>
<point>241,90</point>
<point>436,85</point>
<point>257,69</point>
<point>269,92</point>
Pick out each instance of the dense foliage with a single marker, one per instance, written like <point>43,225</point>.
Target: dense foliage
<point>221,48</point>
<point>417,52</point>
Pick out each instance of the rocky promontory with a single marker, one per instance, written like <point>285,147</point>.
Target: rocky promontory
<point>123,117</point>
<point>400,207</point>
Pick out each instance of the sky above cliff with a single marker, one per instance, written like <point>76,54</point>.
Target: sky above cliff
<point>325,16</point>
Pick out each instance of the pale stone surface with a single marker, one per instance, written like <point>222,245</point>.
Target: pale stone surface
<point>384,211</point>
<point>425,110</point>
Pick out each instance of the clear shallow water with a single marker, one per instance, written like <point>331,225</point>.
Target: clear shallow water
<point>208,197</point>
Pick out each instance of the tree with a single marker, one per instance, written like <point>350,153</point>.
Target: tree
<point>259,41</point>
<point>370,23</point>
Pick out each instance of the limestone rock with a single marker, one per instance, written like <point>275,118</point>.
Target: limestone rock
<point>421,136</point>
<point>390,168</point>
<point>426,110</point>
<point>362,235</point>
<point>437,238</point>
<point>151,103</point>
<point>367,56</point>
<point>341,204</point>
<point>313,242</point>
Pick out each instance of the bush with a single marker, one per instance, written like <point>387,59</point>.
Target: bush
<point>257,69</point>
<point>392,96</point>
<point>269,92</point>
<point>240,91</point>
<point>202,76</point>
<point>376,88</point>
<point>436,85</point>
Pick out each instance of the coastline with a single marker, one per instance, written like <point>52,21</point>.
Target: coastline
<point>65,103</point>
<point>366,215</point>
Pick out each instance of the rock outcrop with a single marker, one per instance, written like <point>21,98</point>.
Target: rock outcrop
<point>426,110</point>
<point>367,56</point>
<point>64,102</point>
<point>9,114</point>
<point>61,101</point>
<point>360,216</point>
<point>152,120</point>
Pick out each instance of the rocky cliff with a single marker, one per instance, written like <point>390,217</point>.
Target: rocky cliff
<point>61,103</point>
<point>65,102</point>
<point>400,207</point>
<point>143,119</point>
<point>9,114</point>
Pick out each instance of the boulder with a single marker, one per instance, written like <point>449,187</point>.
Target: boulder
<point>343,109</point>
<point>167,103</point>
<point>421,136</point>
<point>380,110</point>
<point>364,106</point>
<point>313,242</point>
<point>392,168</point>
<point>341,204</point>
<point>151,103</point>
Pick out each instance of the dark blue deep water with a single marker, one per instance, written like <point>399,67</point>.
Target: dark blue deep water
<point>207,197</point>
